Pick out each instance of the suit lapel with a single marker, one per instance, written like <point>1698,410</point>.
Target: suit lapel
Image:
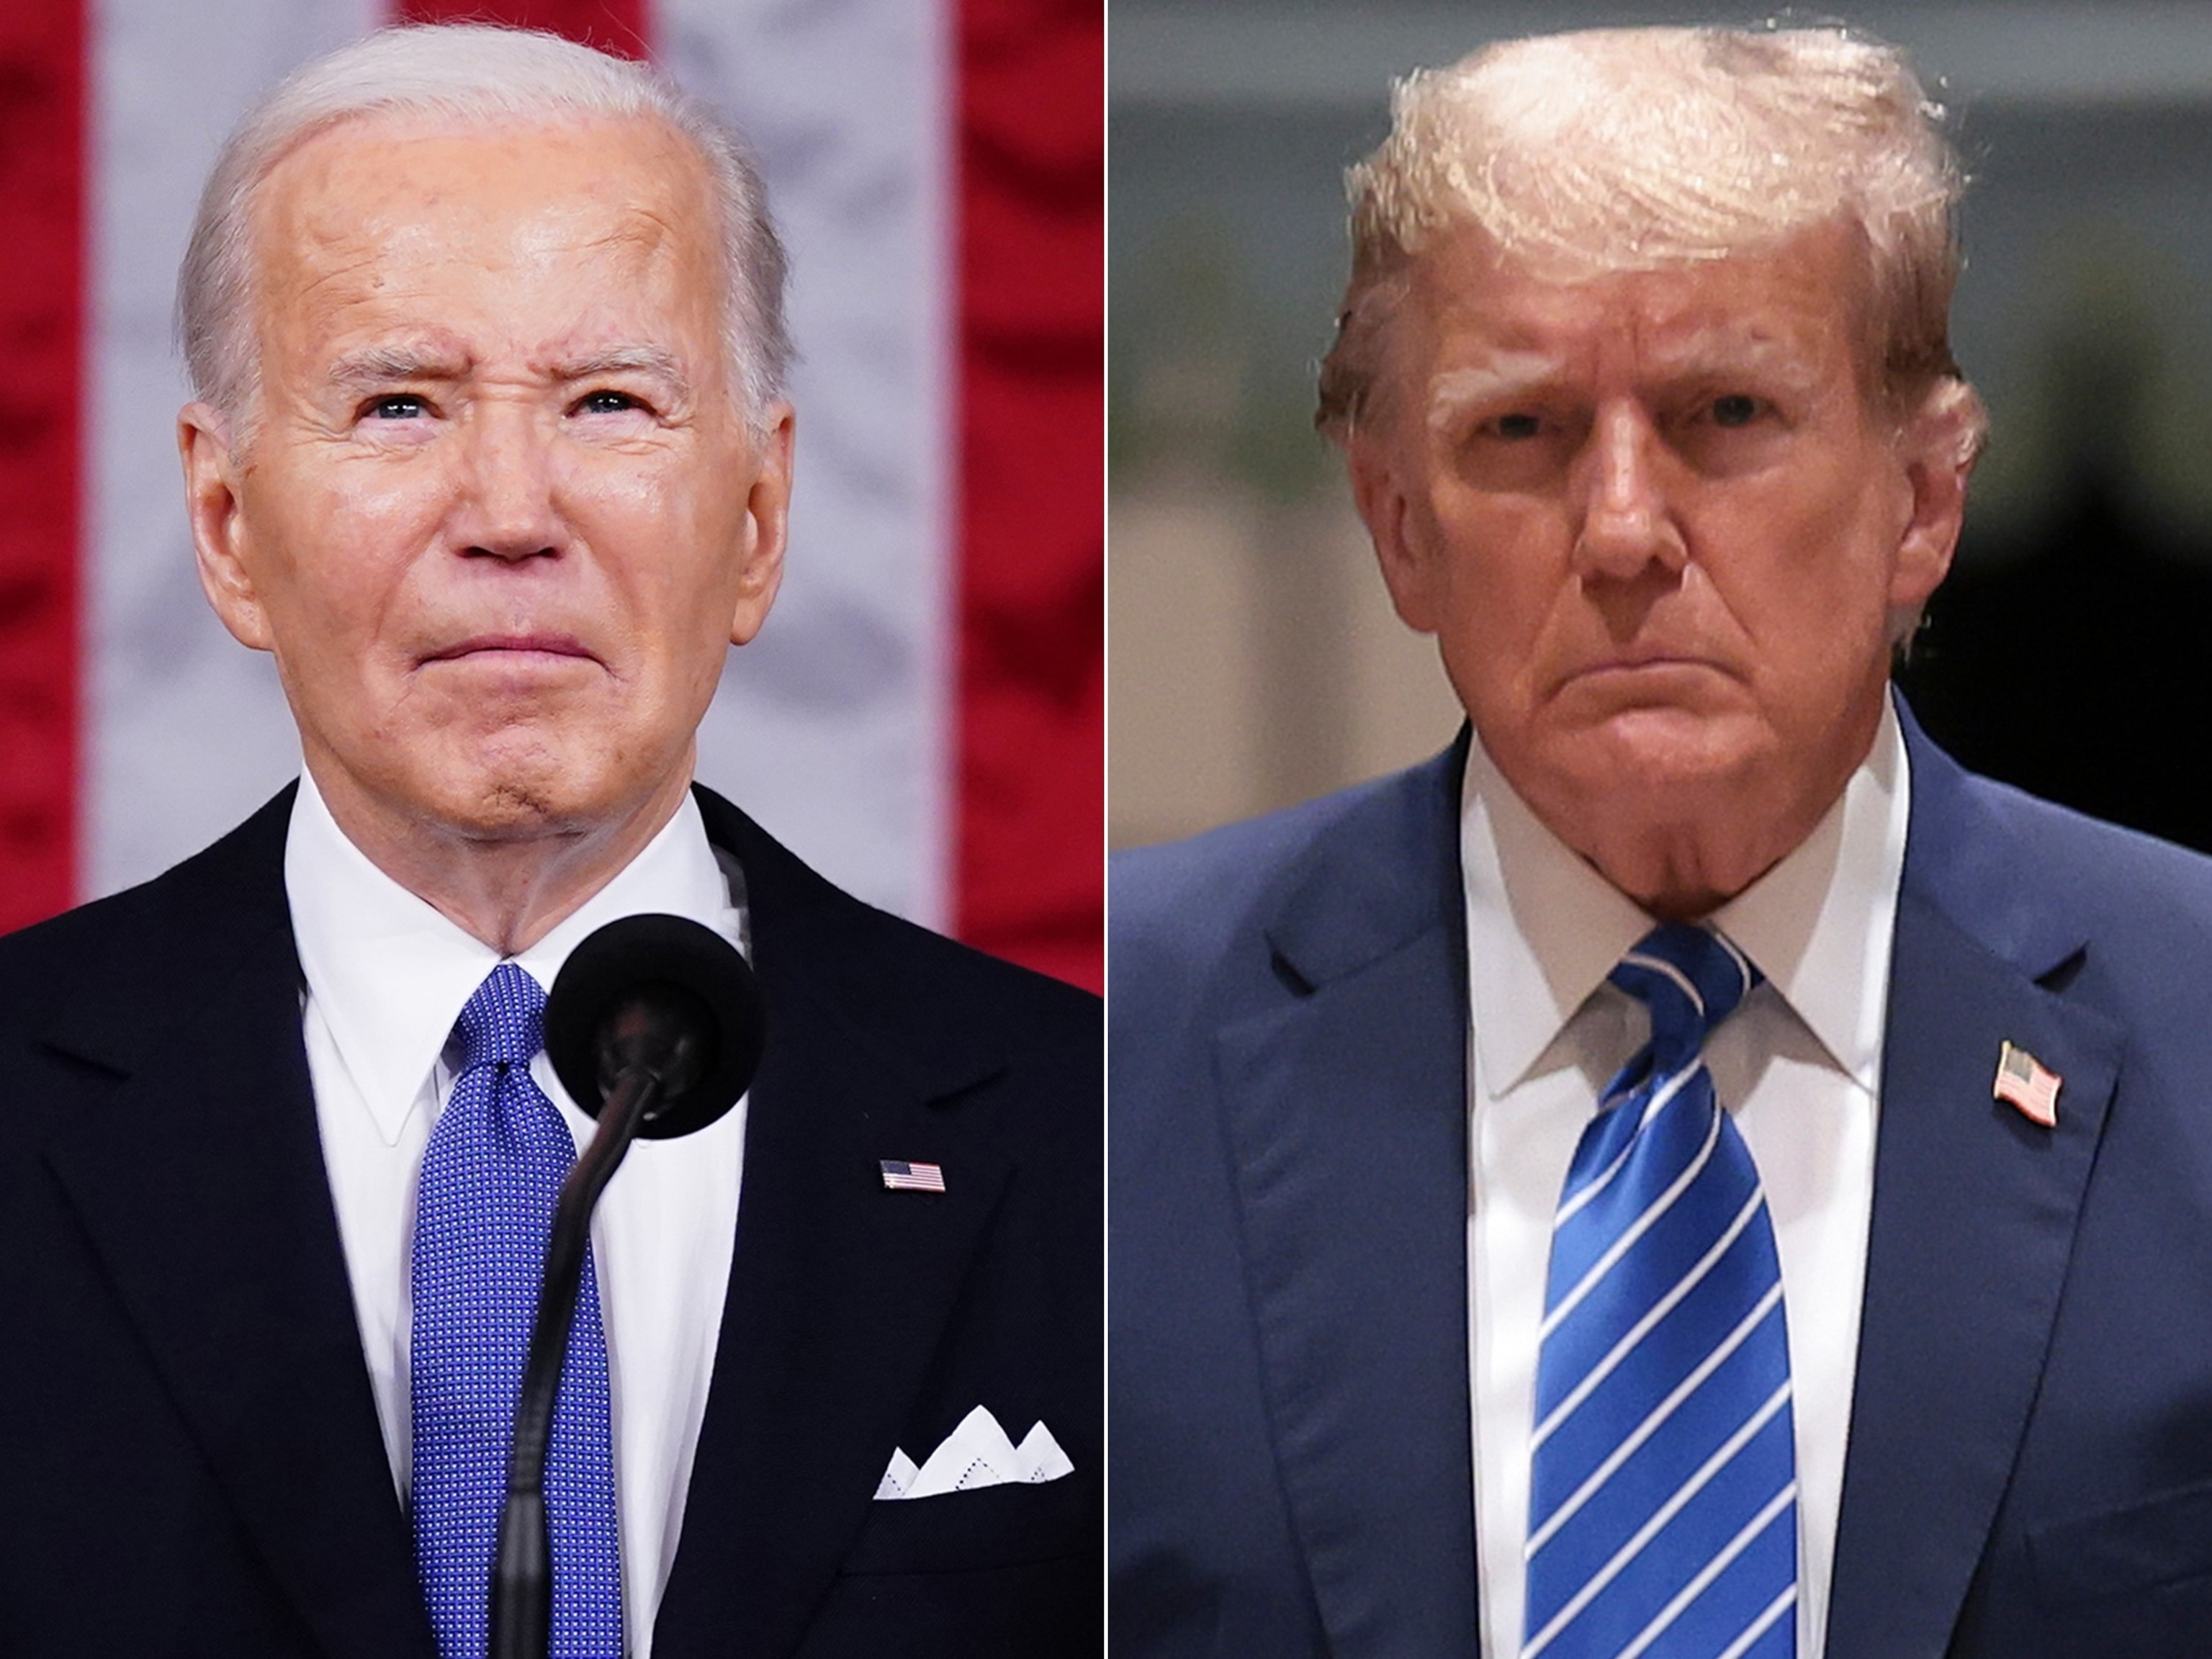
<point>839,1289</point>
<point>200,1182</point>
<point>1974,1220</point>
<point>1344,1108</point>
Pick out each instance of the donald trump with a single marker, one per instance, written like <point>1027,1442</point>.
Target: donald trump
<point>1688,1171</point>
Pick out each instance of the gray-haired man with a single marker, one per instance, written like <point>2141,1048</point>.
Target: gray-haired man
<point>491,452</point>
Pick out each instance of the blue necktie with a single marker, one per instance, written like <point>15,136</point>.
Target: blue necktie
<point>483,1211</point>
<point>1662,1513</point>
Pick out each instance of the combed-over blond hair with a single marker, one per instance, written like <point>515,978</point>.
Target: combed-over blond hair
<point>1633,150</point>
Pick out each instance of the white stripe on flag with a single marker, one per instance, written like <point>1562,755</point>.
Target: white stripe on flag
<point>834,727</point>
<point>185,731</point>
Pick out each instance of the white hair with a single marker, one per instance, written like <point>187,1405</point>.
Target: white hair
<point>469,73</point>
<point>1630,149</point>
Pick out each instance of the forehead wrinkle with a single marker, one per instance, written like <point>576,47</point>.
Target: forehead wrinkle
<point>638,218</point>
<point>644,226</point>
<point>295,271</point>
<point>352,265</point>
<point>638,236</point>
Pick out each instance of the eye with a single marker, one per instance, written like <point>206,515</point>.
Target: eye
<point>606,402</point>
<point>395,406</point>
<point>1734,408</point>
<point>1517,427</point>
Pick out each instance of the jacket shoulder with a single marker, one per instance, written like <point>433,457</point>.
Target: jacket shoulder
<point>1370,859</point>
<point>2012,867</point>
<point>2080,848</point>
<point>134,944</point>
<point>907,973</point>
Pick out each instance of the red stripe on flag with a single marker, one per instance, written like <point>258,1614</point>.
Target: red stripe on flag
<point>1029,876</point>
<point>615,26</point>
<point>41,325</point>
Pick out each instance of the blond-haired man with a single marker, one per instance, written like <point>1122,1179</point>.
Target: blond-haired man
<point>1688,1171</point>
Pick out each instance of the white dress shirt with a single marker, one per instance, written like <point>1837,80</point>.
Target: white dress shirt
<point>387,978</point>
<point>1798,1067</point>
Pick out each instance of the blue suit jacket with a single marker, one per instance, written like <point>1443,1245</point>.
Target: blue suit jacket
<point>2030,1464</point>
<point>190,1459</point>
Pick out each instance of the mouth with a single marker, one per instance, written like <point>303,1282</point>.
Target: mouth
<point>1637,658</point>
<point>493,648</point>
<point>1647,675</point>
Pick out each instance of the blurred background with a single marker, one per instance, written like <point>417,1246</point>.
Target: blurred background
<point>1254,656</point>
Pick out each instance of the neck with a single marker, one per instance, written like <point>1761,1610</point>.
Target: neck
<point>1680,861</point>
<point>1682,850</point>
<point>505,889</point>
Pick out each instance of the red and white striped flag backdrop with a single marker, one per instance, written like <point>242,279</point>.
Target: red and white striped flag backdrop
<point>922,718</point>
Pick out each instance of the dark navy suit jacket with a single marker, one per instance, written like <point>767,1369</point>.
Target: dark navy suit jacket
<point>2029,1474</point>
<point>189,1460</point>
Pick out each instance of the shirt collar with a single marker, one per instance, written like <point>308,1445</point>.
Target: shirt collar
<point>1544,928</point>
<point>389,974</point>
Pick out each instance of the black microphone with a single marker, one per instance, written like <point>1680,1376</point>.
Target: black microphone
<point>655,1026</point>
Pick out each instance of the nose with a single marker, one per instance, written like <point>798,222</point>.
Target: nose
<point>1627,526</point>
<point>507,507</point>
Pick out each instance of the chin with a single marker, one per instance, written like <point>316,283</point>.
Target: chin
<point>1661,751</point>
<point>1663,770</point>
<point>497,799</point>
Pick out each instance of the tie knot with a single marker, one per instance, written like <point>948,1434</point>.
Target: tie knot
<point>1691,979</point>
<point>504,1022</point>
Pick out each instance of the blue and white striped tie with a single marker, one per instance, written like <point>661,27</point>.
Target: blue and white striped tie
<point>1662,1511</point>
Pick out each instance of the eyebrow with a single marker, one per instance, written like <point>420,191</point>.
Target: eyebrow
<point>1502,374</point>
<point>1717,352</point>
<point>625,360</point>
<point>380,365</point>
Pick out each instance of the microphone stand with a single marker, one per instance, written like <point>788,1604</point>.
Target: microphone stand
<point>522,1567</point>
<point>654,1025</point>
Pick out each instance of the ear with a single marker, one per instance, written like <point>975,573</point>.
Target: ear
<point>1379,490</point>
<point>767,512</point>
<point>1938,449</point>
<point>220,539</point>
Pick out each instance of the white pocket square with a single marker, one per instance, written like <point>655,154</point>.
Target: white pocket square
<point>976,1453</point>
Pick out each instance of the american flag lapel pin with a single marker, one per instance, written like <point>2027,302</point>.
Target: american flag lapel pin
<point>2023,1081</point>
<point>900,1176</point>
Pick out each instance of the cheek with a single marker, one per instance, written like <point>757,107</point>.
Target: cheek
<point>1502,567</point>
<point>623,490</point>
<point>1855,586</point>
<point>1829,542</point>
<point>1813,597</point>
<point>665,538</point>
<point>331,551</point>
